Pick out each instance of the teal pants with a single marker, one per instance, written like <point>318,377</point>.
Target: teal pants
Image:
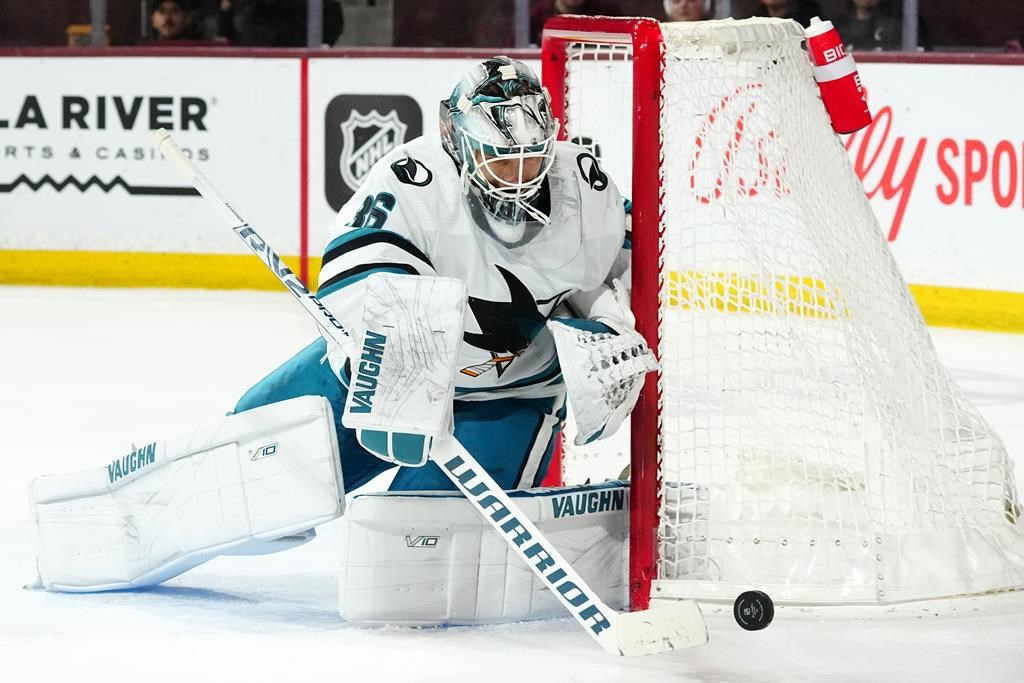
<point>512,438</point>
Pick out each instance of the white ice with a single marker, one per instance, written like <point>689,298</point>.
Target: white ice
<point>84,373</point>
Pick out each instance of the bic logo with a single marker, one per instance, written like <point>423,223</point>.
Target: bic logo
<point>422,541</point>
<point>834,54</point>
<point>263,452</point>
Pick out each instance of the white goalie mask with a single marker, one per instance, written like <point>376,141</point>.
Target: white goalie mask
<point>497,127</point>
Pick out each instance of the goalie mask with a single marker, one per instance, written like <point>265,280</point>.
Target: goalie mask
<point>497,127</point>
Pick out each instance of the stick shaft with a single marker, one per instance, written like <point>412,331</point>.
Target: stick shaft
<point>523,536</point>
<point>331,326</point>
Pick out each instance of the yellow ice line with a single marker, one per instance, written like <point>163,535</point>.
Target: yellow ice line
<point>137,269</point>
<point>974,309</point>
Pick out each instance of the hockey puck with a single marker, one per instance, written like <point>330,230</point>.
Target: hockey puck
<point>753,610</point>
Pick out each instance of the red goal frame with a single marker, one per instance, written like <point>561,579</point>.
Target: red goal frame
<point>645,37</point>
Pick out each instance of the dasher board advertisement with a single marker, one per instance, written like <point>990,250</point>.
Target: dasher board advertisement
<point>78,171</point>
<point>943,164</point>
<point>357,114</point>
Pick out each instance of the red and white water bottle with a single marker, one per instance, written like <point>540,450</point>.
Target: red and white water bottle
<point>837,77</point>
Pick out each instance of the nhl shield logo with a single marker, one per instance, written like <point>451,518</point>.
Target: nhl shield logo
<point>357,135</point>
<point>365,139</point>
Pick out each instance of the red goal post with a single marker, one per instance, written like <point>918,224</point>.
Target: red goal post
<point>644,37</point>
<point>802,437</point>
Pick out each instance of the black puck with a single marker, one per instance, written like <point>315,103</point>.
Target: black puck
<point>753,610</point>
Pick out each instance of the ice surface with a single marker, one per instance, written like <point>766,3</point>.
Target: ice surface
<point>84,373</point>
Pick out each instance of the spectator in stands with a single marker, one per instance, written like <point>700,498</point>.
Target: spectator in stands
<point>878,25</point>
<point>275,23</point>
<point>172,20</point>
<point>689,10</point>
<point>868,26</point>
<point>800,10</point>
<point>545,9</point>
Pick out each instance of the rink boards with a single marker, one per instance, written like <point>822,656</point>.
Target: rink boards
<point>288,137</point>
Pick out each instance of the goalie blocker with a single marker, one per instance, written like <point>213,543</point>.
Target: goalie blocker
<point>403,376</point>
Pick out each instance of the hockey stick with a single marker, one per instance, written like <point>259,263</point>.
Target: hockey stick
<point>324,319</point>
<point>678,625</point>
<point>630,634</point>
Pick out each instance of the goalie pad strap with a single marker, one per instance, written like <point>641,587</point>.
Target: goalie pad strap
<point>411,450</point>
<point>427,559</point>
<point>166,507</point>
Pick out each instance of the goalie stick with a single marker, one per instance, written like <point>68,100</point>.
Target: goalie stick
<point>324,319</point>
<point>670,627</point>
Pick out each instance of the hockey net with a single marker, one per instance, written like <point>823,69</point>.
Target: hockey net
<point>802,437</point>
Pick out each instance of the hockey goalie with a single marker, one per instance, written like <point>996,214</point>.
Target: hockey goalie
<point>477,272</point>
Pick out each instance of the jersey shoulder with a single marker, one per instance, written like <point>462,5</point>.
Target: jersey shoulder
<point>586,167</point>
<point>418,168</point>
<point>413,185</point>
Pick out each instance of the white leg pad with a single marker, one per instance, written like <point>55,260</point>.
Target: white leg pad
<point>429,558</point>
<point>173,504</point>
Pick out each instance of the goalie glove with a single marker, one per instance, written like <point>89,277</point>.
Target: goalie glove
<point>604,371</point>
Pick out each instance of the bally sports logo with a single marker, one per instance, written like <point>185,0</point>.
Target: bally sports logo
<point>736,153</point>
<point>968,170</point>
<point>358,131</point>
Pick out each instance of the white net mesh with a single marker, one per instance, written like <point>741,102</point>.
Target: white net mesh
<point>812,443</point>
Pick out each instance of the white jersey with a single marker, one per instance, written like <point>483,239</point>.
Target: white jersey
<point>412,215</point>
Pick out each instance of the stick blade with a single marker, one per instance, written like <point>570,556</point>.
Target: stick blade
<point>660,629</point>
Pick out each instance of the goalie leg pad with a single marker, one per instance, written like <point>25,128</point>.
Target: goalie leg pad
<point>229,486</point>
<point>429,559</point>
